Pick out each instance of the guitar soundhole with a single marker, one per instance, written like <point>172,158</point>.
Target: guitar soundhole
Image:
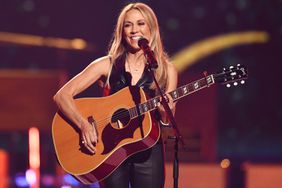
<point>120,118</point>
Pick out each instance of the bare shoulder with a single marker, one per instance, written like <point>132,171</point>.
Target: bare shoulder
<point>171,69</point>
<point>172,77</point>
<point>101,64</point>
<point>102,60</point>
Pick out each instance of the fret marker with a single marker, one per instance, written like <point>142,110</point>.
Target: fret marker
<point>175,94</point>
<point>155,102</point>
<point>140,108</point>
<point>145,107</point>
<point>196,85</point>
<point>209,79</point>
<point>185,90</point>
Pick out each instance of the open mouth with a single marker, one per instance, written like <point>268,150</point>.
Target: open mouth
<point>135,37</point>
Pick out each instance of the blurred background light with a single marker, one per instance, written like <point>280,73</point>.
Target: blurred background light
<point>30,176</point>
<point>225,163</point>
<point>20,180</point>
<point>68,179</point>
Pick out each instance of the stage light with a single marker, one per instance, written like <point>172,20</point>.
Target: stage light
<point>20,180</point>
<point>96,185</point>
<point>225,163</point>
<point>30,176</point>
<point>78,44</point>
<point>70,180</point>
<point>33,40</point>
<point>33,174</point>
<point>66,186</point>
<point>199,50</point>
<point>48,180</point>
<point>4,163</point>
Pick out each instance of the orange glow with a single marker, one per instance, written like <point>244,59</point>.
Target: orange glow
<point>34,40</point>
<point>34,154</point>
<point>225,163</point>
<point>199,50</point>
<point>78,44</point>
<point>34,158</point>
<point>4,169</point>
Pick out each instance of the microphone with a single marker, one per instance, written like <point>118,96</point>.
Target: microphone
<point>149,54</point>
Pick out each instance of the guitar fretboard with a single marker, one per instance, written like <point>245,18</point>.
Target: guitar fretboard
<point>180,92</point>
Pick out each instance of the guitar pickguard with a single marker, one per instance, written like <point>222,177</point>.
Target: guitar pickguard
<point>111,137</point>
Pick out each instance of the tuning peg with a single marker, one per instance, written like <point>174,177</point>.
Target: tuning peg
<point>231,67</point>
<point>235,83</point>
<point>228,85</point>
<point>238,65</point>
<point>242,81</point>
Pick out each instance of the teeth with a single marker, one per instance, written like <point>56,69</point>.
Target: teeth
<point>136,38</point>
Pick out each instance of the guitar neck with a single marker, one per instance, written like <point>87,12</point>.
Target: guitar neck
<point>180,92</point>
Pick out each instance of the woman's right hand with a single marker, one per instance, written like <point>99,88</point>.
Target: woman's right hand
<point>89,136</point>
<point>64,98</point>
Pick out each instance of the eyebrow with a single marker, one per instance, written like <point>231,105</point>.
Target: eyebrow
<point>126,21</point>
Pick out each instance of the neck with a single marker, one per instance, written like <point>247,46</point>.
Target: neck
<point>135,63</point>
<point>135,58</point>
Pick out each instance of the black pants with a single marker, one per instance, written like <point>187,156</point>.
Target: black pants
<point>142,170</point>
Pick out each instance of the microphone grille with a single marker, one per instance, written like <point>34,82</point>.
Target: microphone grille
<point>142,41</point>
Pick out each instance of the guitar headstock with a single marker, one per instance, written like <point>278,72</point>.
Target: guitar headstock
<point>232,75</point>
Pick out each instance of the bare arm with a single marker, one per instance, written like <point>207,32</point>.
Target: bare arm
<point>64,98</point>
<point>171,85</point>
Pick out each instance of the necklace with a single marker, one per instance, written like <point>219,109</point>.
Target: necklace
<point>134,70</point>
<point>135,74</point>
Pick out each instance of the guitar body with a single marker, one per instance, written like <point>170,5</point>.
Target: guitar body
<point>119,136</point>
<point>124,125</point>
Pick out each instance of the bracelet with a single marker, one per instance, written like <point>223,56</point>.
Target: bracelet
<point>164,124</point>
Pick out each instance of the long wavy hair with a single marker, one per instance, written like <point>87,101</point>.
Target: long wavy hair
<point>118,47</point>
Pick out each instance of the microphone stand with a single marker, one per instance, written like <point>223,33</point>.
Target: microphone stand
<point>172,121</point>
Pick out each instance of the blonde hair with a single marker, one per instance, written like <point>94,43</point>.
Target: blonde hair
<point>118,48</point>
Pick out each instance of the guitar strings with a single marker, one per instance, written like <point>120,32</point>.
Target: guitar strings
<point>119,115</point>
<point>124,114</point>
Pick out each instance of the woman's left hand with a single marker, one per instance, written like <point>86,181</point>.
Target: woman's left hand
<point>162,111</point>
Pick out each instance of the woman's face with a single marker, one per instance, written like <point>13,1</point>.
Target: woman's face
<point>135,26</point>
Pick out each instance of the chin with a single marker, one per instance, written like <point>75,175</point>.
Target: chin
<point>133,48</point>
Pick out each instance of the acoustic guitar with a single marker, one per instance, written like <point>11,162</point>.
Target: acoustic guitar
<point>124,126</point>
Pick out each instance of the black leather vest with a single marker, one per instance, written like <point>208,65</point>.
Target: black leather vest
<point>119,78</point>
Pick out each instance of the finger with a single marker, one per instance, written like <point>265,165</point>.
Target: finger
<point>170,101</point>
<point>89,149</point>
<point>93,134</point>
<point>89,145</point>
<point>159,105</point>
<point>83,141</point>
<point>167,98</point>
<point>85,144</point>
<point>92,131</point>
<point>171,104</point>
<point>93,137</point>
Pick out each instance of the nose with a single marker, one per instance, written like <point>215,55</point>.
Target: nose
<point>134,29</point>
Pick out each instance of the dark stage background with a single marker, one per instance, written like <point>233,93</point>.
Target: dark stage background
<point>242,124</point>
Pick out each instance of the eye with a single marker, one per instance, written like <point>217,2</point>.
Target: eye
<point>126,25</point>
<point>141,23</point>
